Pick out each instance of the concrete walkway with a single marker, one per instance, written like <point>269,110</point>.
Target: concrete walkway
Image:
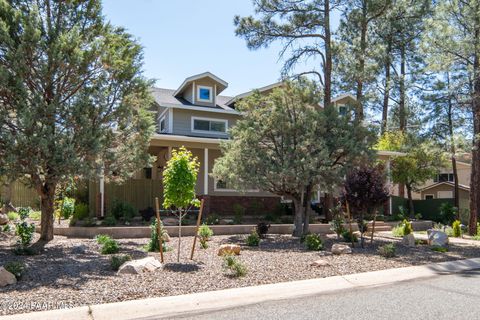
<point>155,308</point>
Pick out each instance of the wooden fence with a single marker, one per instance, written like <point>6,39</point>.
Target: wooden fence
<point>23,195</point>
<point>138,192</point>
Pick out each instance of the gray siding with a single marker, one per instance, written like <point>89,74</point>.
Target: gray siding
<point>182,122</point>
<point>160,116</point>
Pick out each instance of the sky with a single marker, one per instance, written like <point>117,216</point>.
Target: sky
<point>182,38</point>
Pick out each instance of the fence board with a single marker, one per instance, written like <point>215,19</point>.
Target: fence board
<point>24,196</point>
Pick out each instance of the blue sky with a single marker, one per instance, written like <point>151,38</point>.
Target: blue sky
<point>185,37</point>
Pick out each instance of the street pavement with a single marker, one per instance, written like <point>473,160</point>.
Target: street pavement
<point>453,296</point>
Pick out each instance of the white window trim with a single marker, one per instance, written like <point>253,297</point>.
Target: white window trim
<point>428,194</point>
<point>230,190</point>
<point>208,131</point>
<point>163,118</point>
<point>204,100</point>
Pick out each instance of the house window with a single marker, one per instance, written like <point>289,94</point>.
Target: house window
<point>429,196</point>
<point>220,184</point>
<point>204,94</point>
<point>444,177</point>
<point>147,173</point>
<point>342,110</point>
<point>163,124</point>
<point>209,125</point>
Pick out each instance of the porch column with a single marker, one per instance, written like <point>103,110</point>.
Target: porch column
<point>205,169</point>
<point>102,194</point>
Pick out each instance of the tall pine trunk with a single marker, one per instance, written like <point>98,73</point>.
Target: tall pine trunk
<point>386,94</point>
<point>307,209</point>
<point>411,209</point>
<point>456,191</point>
<point>298,220</point>
<point>327,70</point>
<point>47,196</point>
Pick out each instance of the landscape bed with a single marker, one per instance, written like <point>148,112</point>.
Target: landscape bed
<point>60,277</point>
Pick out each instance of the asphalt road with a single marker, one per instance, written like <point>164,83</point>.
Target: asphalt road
<point>455,296</point>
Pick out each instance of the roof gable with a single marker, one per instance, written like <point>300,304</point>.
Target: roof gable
<point>221,84</point>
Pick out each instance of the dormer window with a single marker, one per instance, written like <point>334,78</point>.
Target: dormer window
<point>204,94</point>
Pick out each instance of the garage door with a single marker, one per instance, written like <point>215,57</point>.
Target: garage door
<point>445,194</point>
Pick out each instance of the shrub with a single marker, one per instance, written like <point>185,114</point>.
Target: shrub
<point>439,249</point>
<point>147,214</point>
<point>239,212</point>
<point>204,234</point>
<point>457,228</point>
<point>337,225</point>
<point>152,245</point>
<point>347,236</point>
<point>406,227</point>
<point>68,207</point>
<point>110,246</point>
<point>25,233</point>
<point>35,215</point>
<point>253,239</point>
<point>102,238</point>
<point>16,268</point>
<point>24,213</point>
<point>262,229</point>
<point>117,261</point>
<point>212,219</point>
<point>313,242</point>
<point>447,213</point>
<point>109,221</point>
<point>12,216</point>
<point>81,211</point>
<point>387,250</point>
<point>122,210</point>
<point>6,228</point>
<point>397,231</point>
<point>234,266</point>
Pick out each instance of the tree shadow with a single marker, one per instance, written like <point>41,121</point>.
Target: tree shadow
<point>181,267</point>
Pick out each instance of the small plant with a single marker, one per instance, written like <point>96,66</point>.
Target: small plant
<point>12,216</point>
<point>406,227</point>
<point>239,212</point>
<point>35,215</point>
<point>439,249</point>
<point>313,242</point>
<point>117,261</point>
<point>16,268</point>
<point>397,231</point>
<point>253,239</point>
<point>457,229</point>
<point>204,234</point>
<point>262,229</point>
<point>81,211</point>
<point>25,232</point>
<point>123,211</point>
<point>102,238</point>
<point>68,207</point>
<point>24,212</point>
<point>152,245</point>
<point>109,221</point>
<point>337,225</point>
<point>347,236</point>
<point>110,246</point>
<point>212,219</point>
<point>387,250</point>
<point>418,216</point>
<point>234,266</point>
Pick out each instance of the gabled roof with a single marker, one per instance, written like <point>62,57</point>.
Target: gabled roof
<point>249,93</point>
<point>340,97</point>
<point>448,183</point>
<point>221,83</point>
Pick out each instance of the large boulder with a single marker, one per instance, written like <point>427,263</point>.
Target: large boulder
<point>409,240</point>
<point>170,222</point>
<point>6,277</point>
<point>320,263</point>
<point>229,249</point>
<point>437,238</point>
<point>3,219</point>
<point>147,264</point>
<point>338,248</point>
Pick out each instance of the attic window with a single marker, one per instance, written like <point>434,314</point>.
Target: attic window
<point>204,94</point>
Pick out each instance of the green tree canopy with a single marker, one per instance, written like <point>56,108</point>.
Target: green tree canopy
<point>72,96</point>
<point>286,144</point>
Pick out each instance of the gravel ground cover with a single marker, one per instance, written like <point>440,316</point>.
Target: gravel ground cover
<point>58,278</point>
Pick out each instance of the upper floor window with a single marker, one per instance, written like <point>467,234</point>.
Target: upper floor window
<point>444,177</point>
<point>342,110</point>
<point>210,125</point>
<point>162,124</point>
<point>204,94</point>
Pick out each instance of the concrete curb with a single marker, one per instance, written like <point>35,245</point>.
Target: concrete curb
<point>155,308</point>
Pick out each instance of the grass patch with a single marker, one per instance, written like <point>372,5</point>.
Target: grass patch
<point>439,249</point>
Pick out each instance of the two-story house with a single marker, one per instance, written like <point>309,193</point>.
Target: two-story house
<point>196,115</point>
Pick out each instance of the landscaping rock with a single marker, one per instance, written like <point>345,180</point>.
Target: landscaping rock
<point>148,264</point>
<point>81,249</point>
<point>409,240</point>
<point>437,238</point>
<point>226,221</point>
<point>320,263</point>
<point>6,277</point>
<point>170,222</point>
<point>165,237</point>
<point>3,219</point>
<point>338,248</point>
<point>229,249</point>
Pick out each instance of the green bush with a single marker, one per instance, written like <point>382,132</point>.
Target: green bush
<point>117,261</point>
<point>102,238</point>
<point>447,213</point>
<point>35,215</point>
<point>16,268</point>
<point>387,250</point>
<point>24,212</point>
<point>81,211</point>
<point>152,245</point>
<point>313,242</point>
<point>212,219</point>
<point>347,236</point>
<point>337,225</point>
<point>239,212</point>
<point>234,266</point>
<point>406,227</point>
<point>457,229</point>
<point>109,221</point>
<point>253,239</point>
<point>204,234</point>
<point>68,207</point>
<point>123,211</point>
<point>397,231</point>
<point>12,216</point>
<point>110,247</point>
<point>25,232</point>
<point>439,249</point>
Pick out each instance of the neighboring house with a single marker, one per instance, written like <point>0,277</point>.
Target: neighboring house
<point>197,116</point>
